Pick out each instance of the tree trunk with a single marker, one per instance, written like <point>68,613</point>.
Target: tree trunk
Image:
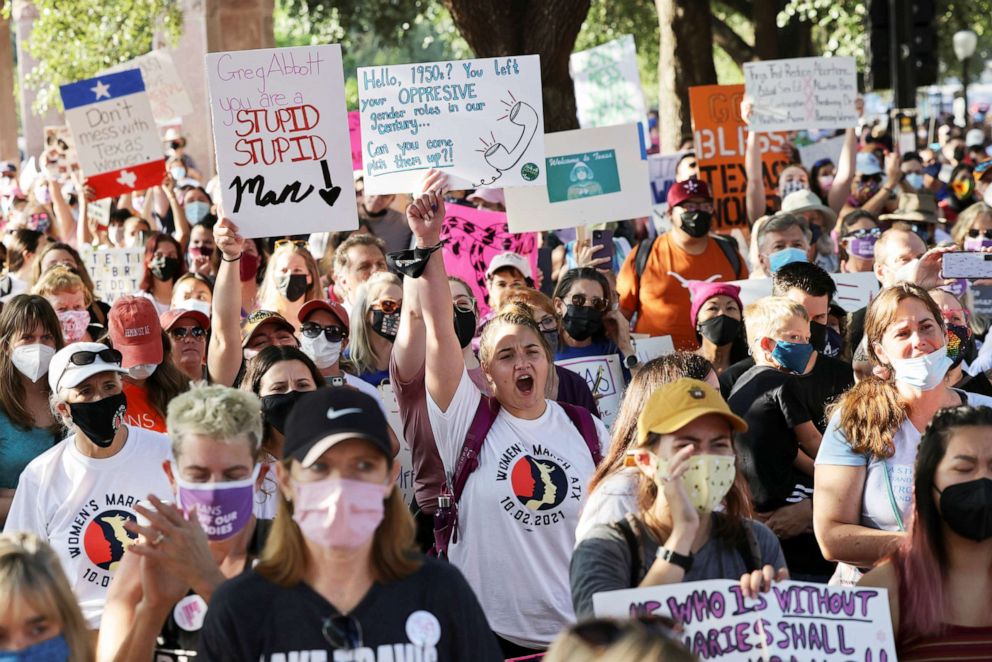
<point>499,28</point>
<point>764,14</point>
<point>685,59</point>
<point>8,105</point>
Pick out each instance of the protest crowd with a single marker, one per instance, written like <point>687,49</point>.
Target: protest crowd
<point>233,425</point>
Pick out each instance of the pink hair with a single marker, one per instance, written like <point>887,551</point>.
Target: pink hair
<point>921,584</point>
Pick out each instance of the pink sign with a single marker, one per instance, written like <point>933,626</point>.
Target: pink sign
<point>474,237</point>
<point>355,129</point>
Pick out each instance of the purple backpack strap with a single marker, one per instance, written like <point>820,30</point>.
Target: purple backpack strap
<point>582,419</point>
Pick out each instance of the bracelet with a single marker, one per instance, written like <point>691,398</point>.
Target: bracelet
<point>234,259</point>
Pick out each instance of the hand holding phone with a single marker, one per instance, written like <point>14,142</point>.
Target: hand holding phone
<point>603,239</point>
<point>971,265</point>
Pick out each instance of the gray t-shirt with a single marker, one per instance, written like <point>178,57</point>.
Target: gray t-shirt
<point>602,561</point>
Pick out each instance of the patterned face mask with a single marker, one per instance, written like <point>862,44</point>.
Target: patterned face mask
<point>707,480</point>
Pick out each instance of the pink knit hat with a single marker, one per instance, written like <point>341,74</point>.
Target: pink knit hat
<point>701,291</point>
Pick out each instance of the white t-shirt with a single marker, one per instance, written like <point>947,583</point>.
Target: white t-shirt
<point>79,506</point>
<point>609,502</point>
<point>518,513</point>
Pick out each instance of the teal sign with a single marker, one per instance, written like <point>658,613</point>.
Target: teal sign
<point>585,175</point>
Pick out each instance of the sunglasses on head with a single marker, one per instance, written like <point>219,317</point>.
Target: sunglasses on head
<point>975,232</point>
<point>387,306</point>
<point>332,332</point>
<point>299,243</point>
<point>86,357</point>
<point>596,303</point>
<point>196,332</point>
<point>342,632</point>
<point>603,632</point>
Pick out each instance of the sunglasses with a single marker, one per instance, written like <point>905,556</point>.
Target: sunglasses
<point>342,632</point>
<point>332,332</point>
<point>299,243</point>
<point>597,303</point>
<point>108,355</point>
<point>975,232</point>
<point>387,306</point>
<point>196,332</point>
<point>602,632</point>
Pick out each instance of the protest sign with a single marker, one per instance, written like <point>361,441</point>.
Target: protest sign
<point>798,621</point>
<point>854,291</point>
<point>114,132</point>
<point>480,121</point>
<point>165,88</point>
<point>823,149</point>
<point>473,238</point>
<point>355,133</point>
<point>605,379</point>
<point>99,211</point>
<point>115,271</point>
<point>404,458</point>
<point>60,151</point>
<point>608,84</point>
<point>802,93</point>
<point>594,176</point>
<point>661,170</point>
<point>280,130</point>
<point>649,348</point>
<point>720,141</point>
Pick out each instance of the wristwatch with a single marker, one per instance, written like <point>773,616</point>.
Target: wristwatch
<point>631,361</point>
<point>681,560</point>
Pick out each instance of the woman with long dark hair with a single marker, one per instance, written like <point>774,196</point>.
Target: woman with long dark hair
<point>163,264</point>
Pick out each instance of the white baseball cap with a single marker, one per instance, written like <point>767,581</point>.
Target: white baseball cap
<point>95,358</point>
<point>513,260</point>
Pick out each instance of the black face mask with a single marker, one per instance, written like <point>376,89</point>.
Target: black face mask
<point>464,327</point>
<point>293,286</point>
<point>582,322</point>
<point>720,330</point>
<point>553,340</point>
<point>967,509</point>
<point>385,325</point>
<point>276,408</point>
<point>958,154</point>
<point>99,420</point>
<point>696,223</point>
<point>166,268</point>
<point>818,336</point>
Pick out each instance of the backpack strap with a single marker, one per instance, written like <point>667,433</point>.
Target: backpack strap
<point>582,419</point>
<point>468,459</point>
<point>644,248</point>
<point>749,549</point>
<point>629,530</point>
<point>729,248</point>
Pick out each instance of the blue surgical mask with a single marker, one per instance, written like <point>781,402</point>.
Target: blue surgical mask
<point>779,259</point>
<point>196,211</point>
<point>177,172</point>
<point>50,650</point>
<point>793,356</point>
<point>925,372</point>
<point>915,179</point>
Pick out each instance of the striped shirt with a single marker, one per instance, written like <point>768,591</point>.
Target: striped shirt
<point>956,642</point>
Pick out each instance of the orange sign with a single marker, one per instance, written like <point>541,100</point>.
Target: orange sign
<point>720,136</point>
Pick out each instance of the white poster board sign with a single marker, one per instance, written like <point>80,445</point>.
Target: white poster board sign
<point>798,621</point>
<point>605,379</point>
<point>822,149</point>
<point>405,458</point>
<point>593,176</point>
<point>802,93</point>
<point>115,271</point>
<point>651,348</point>
<point>661,171</point>
<point>480,121</point>
<point>854,291</point>
<point>608,84</point>
<point>165,88</point>
<point>281,137</point>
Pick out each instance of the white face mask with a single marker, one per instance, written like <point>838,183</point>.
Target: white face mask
<point>143,371</point>
<point>249,353</point>
<point>195,304</point>
<point>923,372</point>
<point>32,360</point>
<point>321,351</point>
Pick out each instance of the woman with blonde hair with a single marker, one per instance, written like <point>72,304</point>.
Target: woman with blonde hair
<point>69,298</point>
<point>291,279</point>
<point>39,617</point>
<point>375,321</point>
<point>864,468</point>
<point>339,570</point>
<point>973,229</point>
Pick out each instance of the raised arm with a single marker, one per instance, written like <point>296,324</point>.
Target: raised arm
<point>755,191</point>
<point>841,189</point>
<point>224,355</point>
<point>178,215</point>
<point>65,224</point>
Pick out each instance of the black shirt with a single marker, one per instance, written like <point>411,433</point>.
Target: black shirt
<point>430,615</point>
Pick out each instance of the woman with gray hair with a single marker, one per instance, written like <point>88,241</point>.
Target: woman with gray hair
<point>375,320</point>
<point>79,495</point>
<point>159,598</point>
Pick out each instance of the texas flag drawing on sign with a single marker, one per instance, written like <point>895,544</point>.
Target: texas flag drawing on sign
<point>117,141</point>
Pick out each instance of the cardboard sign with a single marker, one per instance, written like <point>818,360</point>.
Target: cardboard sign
<point>474,237</point>
<point>405,458</point>
<point>661,170</point>
<point>280,132</point>
<point>165,88</point>
<point>720,140</point>
<point>802,93</point>
<point>608,84</point>
<point>605,379</point>
<point>823,149</point>
<point>115,271</point>
<point>854,291</point>
<point>60,151</point>
<point>115,135</point>
<point>481,121</point>
<point>355,133</point>
<point>794,620</point>
<point>648,349</point>
<point>594,176</point>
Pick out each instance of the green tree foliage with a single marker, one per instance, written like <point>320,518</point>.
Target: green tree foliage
<point>75,39</point>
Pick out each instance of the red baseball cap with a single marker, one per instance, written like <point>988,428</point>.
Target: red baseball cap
<point>173,315</point>
<point>685,190</point>
<point>136,331</point>
<point>333,307</point>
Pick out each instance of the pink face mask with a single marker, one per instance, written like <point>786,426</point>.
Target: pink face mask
<point>73,323</point>
<point>338,512</point>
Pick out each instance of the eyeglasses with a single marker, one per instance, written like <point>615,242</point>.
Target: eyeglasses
<point>975,232</point>
<point>597,303</point>
<point>548,323</point>
<point>696,206</point>
<point>465,305</point>
<point>299,243</point>
<point>108,355</point>
<point>197,332</point>
<point>342,632</point>
<point>332,332</point>
<point>387,306</point>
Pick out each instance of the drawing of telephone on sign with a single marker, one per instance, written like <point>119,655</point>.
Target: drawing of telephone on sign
<point>496,154</point>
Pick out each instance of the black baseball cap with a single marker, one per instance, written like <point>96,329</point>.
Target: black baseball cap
<point>325,417</point>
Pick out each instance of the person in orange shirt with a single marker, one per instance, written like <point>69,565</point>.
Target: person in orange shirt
<point>153,379</point>
<point>652,281</point>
